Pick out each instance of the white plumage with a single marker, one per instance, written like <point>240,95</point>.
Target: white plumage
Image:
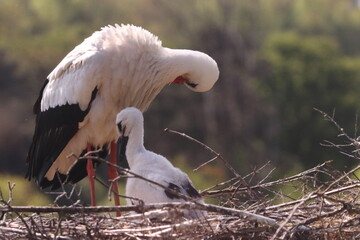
<point>151,166</point>
<point>115,68</point>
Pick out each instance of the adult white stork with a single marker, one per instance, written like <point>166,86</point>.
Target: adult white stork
<point>151,166</point>
<point>116,67</point>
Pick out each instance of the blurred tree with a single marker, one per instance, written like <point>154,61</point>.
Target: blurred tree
<point>13,135</point>
<point>278,59</point>
<point>307,72</point>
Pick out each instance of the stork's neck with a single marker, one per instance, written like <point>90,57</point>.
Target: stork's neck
<point>177,61</point>
<point>135,143</point>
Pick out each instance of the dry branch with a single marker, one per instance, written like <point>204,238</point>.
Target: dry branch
<point>217,156</point>
<point>143,208</point>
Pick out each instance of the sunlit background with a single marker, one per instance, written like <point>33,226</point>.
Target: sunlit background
<point>278,60</point>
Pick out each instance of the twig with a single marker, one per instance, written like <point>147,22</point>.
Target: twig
<point>217,155</point>
<point>273,183</point>
<point>334,191</point>
<point>205,163</point>
<point>143,208</point>
<point>331,119</point>
<point>282,225</point>
<point>117,194</point>
<point>207,148</point>
<point>7,204</point>
<point>342,177</point>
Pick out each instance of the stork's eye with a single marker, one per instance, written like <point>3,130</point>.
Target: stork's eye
<point>193,85</point>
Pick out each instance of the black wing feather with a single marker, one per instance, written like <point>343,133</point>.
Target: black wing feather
<point>191,191</point>
<point>37,105</point>
<point>186,186</point>
<point>53,130</point>
<point>174,188</point>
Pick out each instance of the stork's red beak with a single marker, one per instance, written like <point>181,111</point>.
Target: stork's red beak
<point>178,80</point>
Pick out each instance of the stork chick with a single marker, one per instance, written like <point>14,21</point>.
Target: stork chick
<point>151,166</point>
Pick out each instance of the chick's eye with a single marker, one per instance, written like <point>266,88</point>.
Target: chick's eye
<point>120,128</point>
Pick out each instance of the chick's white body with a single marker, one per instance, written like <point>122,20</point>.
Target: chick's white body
<point>158,169</point>
<point>153,167</point>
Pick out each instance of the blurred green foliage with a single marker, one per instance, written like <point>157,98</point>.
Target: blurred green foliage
<point>278,60</point>
<point>24,193</point>
<point>309,72</point>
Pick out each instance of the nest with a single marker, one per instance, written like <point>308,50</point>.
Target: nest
<point>323,204</point>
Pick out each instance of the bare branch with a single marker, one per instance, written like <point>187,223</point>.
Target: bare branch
<point>217,156</point>
<point>142,208</point>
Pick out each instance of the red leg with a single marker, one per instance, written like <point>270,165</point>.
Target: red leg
<point>91,175</point>
<point>113,174</point>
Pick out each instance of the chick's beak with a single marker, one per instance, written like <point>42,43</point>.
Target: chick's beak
<point>120,128</point>
<point>121,151</point>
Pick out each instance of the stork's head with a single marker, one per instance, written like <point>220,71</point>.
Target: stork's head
<point>130,126</point>
<point>196,70</point>
<point>129,119</point>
